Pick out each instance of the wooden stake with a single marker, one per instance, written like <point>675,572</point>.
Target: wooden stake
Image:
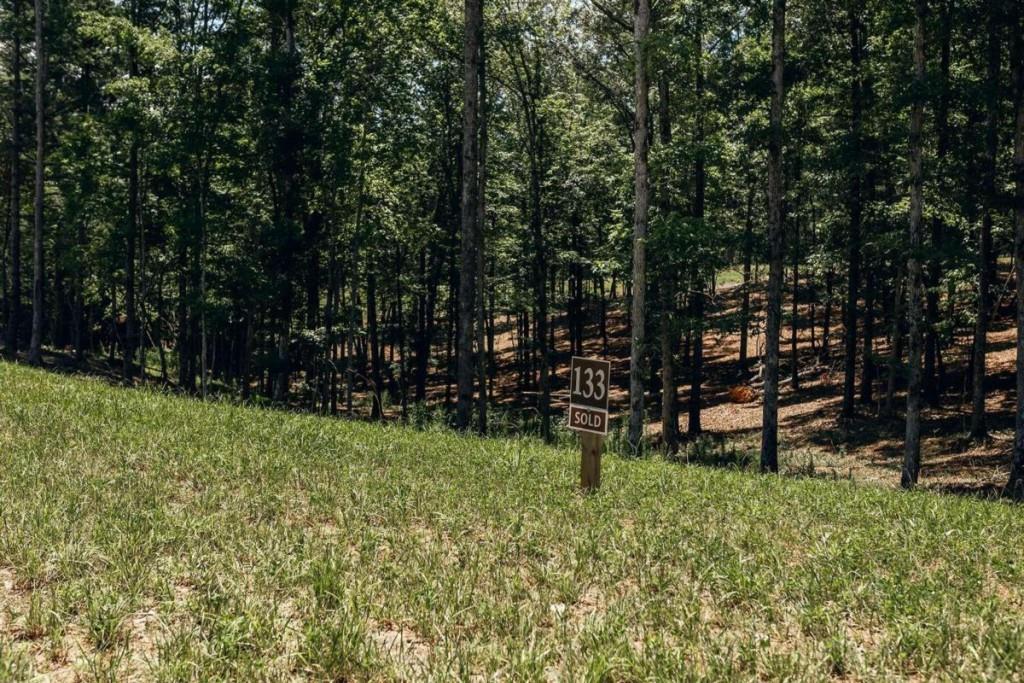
<point>590,463</point>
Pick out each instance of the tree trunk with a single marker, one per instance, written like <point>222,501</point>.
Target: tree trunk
<point>770,418</point>
<point>895,348</point>
<point>144,285</point>
<point>979,428</point>
<point>858,38</point>
<point>78,324</point>
<point>867,377</point>
<point>667,328</point>
<point>932,357</point>
<point>376,411</point>
<point>912,449</point>
<point>693,427</point>
<point>35,352</point>
<point>481,225</point>
<point>1015,486</point>
<point>470,212</point>
<point>748,251</point>
<point>641,189</point>
<point>203,338</point>
<point>131,336</point>
<point>403,365</point>
<point>825,352</point>
<point>794,323</point>
<point>186,372</point>
<point>13,301</point>
<point>603,314</point>
<point>540,341</point>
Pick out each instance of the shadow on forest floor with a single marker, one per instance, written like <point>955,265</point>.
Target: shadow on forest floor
<point>868,447</point>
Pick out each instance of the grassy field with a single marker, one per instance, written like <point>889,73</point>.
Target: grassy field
<point>150,537</point>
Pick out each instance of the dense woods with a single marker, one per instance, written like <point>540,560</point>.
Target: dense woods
<point>357,208</point>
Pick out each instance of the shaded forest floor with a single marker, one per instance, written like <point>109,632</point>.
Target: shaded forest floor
<point>868,448</point>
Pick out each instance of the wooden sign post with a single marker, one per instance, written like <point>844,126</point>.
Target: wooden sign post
<point>589,382</point>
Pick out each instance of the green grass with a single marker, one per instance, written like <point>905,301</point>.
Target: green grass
<point>154,537</point>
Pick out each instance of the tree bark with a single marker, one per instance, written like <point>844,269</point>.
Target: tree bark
<point>78,324</point>
<point>857,40</point>
<point>770,415</point>
<point>748,252</point>
<point>540,265</point>
<point>895,348</point>
<point>825,351</point>
<point>667,331</point>
<point>794,323</point>
<point>376,411</point>
<point>481,225</point>
<point>979,428</point>
<point>868,369</point>
<point>693,427</point>
<point>35,352</point>
<point>932,357</point>
<point>912,445</point>
<point>1015,486</point>
<point>131,336</point>
<point>641,190</point>
<point>13,301</point>
<point>470,213</point>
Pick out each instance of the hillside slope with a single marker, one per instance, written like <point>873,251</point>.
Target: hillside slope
<point>148,536</point>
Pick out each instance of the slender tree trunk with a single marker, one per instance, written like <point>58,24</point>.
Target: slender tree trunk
<point>329,397</point>
<point>694,427</point>
<point>867,378</point>
<point>403,365</point>
<point>481,225</point>
<point>204,374</point>
<point>857,40</point>
<point>603,323</point>
<point>129,284</point>
<point>540,342</point>
<point>667,327</point>
<point>13,301</point>
<point>794,323</point>
<point>641,189</point>
<point>979,429</point>
<point>1015,486</point>
<point>375,353</point>
<point>492,367</point>
<point>912,449</point>
<point>697,298</point>
<point>895,348</point>
<point>285,167</point>
<point>932,351</point>
<point>143,289</point>
<point>825,351</point>
<point>748,251</point>
<point>770,419</point>
<point>470,212</point>
<point>131,336</point>
<point>78,324</point>
<point>35,353</point>
<point>186,373</point>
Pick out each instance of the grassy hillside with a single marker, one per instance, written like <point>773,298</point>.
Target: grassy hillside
<point>149,536</point>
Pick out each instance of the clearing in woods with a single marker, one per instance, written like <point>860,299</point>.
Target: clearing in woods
<point>145,536</point>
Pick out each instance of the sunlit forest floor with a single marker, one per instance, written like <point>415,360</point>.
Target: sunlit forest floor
<point>869,448</point>
<point>145,536</point>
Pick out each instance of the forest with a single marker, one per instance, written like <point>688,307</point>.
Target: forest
<point>392,209</point>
